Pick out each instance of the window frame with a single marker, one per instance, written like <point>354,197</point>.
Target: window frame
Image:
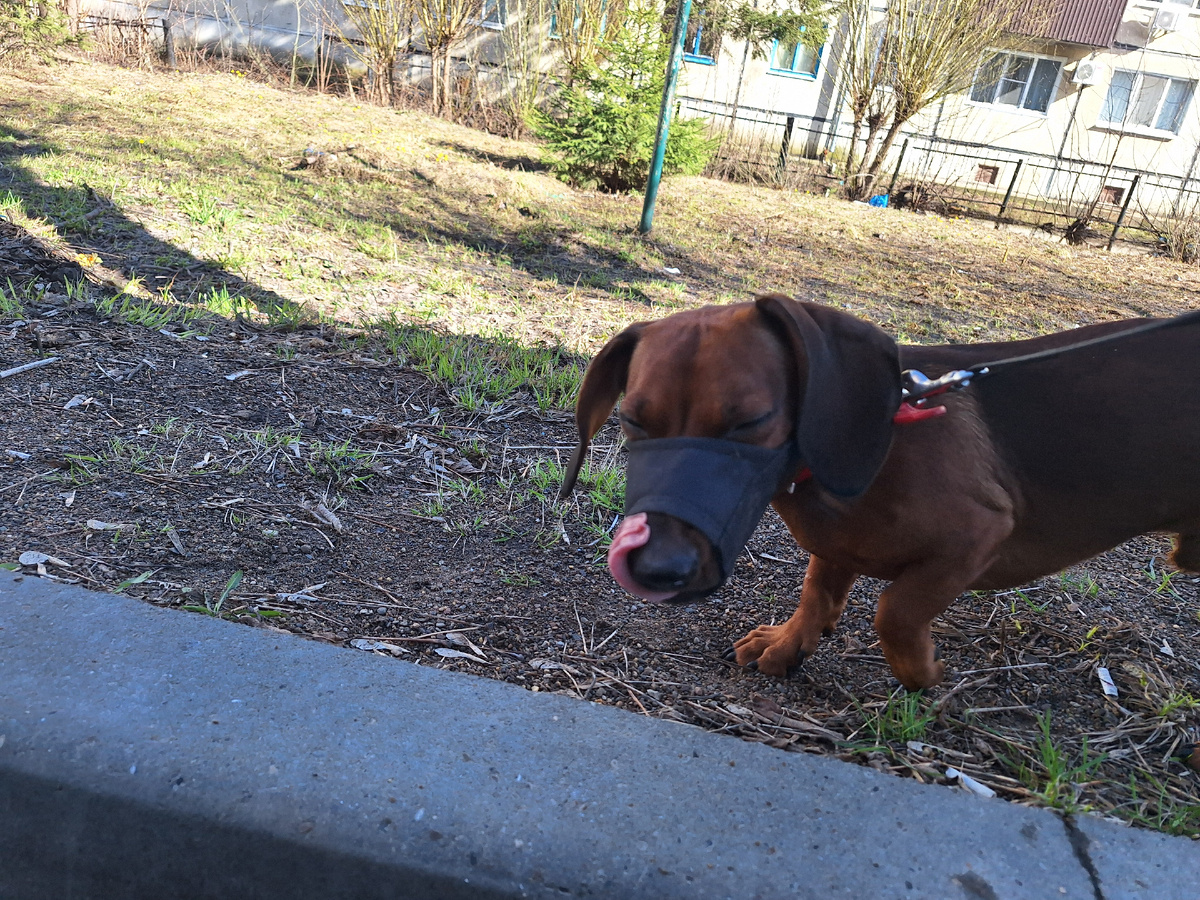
<point>1155,4</point>
<point>1018,108</point>
<point>793,72</point>
<point>556,32</point>
<point>497,7</point>
<point>1147,130</point>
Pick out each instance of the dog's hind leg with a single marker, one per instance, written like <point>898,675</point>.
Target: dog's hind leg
<point>906,610</point>
<point>1186,554</point>
<point>909,605</point>
<point>780,649</point>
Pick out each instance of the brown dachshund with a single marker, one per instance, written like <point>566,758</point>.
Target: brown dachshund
<point>1036,466</point>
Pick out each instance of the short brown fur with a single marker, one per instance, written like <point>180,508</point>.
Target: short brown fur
<point>1037,467</point>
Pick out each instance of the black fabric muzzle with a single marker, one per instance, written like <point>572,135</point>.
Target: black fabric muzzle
<point>719,487</point>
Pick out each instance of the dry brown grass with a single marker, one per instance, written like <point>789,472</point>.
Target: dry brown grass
<point>430,220</point>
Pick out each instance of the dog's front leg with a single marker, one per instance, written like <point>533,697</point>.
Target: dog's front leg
<point>780,649</point>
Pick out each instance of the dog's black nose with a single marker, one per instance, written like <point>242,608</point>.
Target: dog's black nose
<point>664,568</point>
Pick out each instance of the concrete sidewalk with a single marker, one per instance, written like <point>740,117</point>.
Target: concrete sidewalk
<point>147,753</point>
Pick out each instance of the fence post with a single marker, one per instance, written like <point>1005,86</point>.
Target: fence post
<point>168,44</point>
<point>899,162</point>
<point>1008,194</point>
<point>664,117</point>
<point>1124,209</point>
<point>786,145</point>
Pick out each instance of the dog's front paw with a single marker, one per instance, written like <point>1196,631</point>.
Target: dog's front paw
<point>770,649</point>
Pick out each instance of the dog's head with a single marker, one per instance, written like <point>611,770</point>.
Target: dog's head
<point>722,406</point>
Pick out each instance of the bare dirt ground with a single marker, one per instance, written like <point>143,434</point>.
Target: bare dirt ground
<point>364,502</point>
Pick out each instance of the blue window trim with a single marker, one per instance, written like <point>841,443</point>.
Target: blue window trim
<point>792,73</point>
<point>556,34</point>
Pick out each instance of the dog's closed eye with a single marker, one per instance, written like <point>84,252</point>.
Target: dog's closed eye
<point>631,428</point>
<point>748,427</point>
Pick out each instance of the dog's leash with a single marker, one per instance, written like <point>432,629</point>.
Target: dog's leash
<point>916,389</point>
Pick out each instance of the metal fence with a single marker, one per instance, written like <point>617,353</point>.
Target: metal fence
<point>1081,199</point>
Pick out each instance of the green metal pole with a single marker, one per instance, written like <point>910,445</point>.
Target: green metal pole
<point>664,116</point>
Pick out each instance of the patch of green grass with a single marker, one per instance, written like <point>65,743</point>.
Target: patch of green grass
<point>10,203</point>
<point>379,242</point>
<point>1178,700</point>
<point>1022,598</point>
<point>1087,639</point>
<point>904,717</point>
<point>119,455</point>
<point>203,208</point>
<point>519,579</point>
<point>340,463</point>
<point>213,606</point>
<point>1082,584</point>
<point>271,438</point>
<point>11,305</point>
<point>82,468</point>
<point>432,508</point>
<point>480,371</point>
<point>1055,774</point>
<point>543,481</point>
<point>220,302</point>
<point>1162,580</point>
<point>133,307</point>
<point>130,582</point>
<point>604,485</point>
<point>1152,805</point>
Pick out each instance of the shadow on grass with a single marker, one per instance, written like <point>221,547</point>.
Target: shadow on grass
<point>543,245</point>
<point>542,238</point>
<point>127,251</point>
<point>536,236</point>
<point>476,373</point>
<point>521,162</point>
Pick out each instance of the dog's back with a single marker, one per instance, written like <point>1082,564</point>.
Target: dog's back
<point>1101,443</point>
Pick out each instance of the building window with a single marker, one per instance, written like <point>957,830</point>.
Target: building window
<point>1017,80</point>
<point>580,10</point>
<point>1143,101</point>
<point>987,174</point>
<point>794,59</point>
<point>494,14</point>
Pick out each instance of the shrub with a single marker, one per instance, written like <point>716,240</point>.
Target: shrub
<point>30,29</point>
<point>1181,238</point>
<point>601,126</point>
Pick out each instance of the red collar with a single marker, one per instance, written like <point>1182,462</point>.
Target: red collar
<point>907,414</point>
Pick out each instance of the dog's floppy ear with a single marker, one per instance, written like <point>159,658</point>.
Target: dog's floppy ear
<point>603,383</point>
<point>851,393</point>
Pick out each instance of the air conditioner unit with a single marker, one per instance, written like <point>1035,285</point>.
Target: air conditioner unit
<point>1171,17</point>
<point>1087,72</point>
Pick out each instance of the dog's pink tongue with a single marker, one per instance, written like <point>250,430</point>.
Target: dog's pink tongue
<point>634,532</point>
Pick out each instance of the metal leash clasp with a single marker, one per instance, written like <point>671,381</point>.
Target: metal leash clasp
<point>916,388</point>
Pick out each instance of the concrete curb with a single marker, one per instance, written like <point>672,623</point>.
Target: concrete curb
<point>145,753</point>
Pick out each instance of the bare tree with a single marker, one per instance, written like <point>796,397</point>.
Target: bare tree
<point>919,52</point>
<point>380,26</point>
<point>863,75</point>
<point>580,26</point>
<point>525,49</point>
<point>444,24</point>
